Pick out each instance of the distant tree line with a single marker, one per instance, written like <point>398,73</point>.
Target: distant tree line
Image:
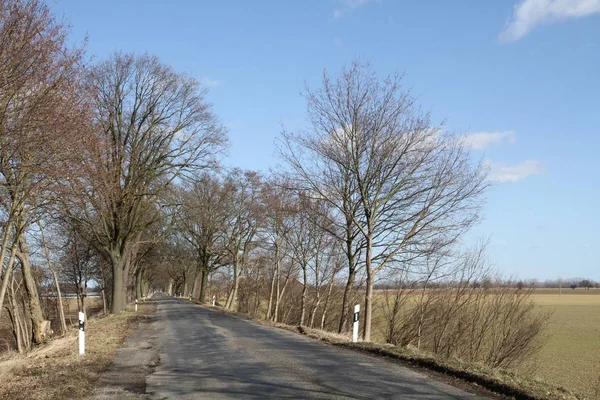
<point>572,283</point>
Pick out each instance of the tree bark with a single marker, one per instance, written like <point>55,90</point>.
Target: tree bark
<point>202,297</point>
<point>119,295</point>
<point>369,293</point>
<point>277,291</point>
<point>346,300</point>
<point>273,279</point>
<point>197,283</point>
<point>61,311</point>
<point>13,313</point>
<point>138,283</point>
<point>237,272</point>
<point>104,301</point>
<point>5,239</point>
<point>304,289</point>
<point>35,308</point>
<point>7,273</point>
<point>326,306</point>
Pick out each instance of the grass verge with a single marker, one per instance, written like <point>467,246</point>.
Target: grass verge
<point>55,370</point>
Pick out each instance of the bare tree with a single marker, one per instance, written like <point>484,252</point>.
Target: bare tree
<point>202,223</point>
<point>244,210</point>
<point>416,187</point>
<point>300,241</point>
<point>78,259</point>
<point>278,209</point>
<point>152,127</point>
<point>319,169</point>
<point>55,271</point>
<point>41,112</point>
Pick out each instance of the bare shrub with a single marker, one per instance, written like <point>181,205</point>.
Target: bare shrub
<point>392,309</point>
<point>495,325</point>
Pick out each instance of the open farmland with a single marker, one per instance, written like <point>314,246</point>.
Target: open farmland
<point>571,357</point>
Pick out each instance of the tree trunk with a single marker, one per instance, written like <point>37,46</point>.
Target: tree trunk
<point>346,300</point>
<point>138,283</point>
<point>233,292</point>
<point>61,311</point>
<point>35,308</point>
<point>369,294</point>
<point>25,334</point>
<point>236,286</point>
<point>237,272</point>
<point>119,295</point>
<point>197,283</point>
<point>277,291</point>
<point>13,313</point>
<point>202,297</point>
<point>280,295</point>
<point>273,278</point>
<point>104,301</point>
<point>315,307</point>
<point>5,239</point>
<point>326,307</point>
<point>7,273</point>
<point>304,289</point>
<point>350,255</point>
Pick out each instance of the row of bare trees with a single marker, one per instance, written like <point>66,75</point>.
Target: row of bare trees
<point>110,180</point>
<point>88,155</point>
<point>371,191</point>
<point>258,242</point>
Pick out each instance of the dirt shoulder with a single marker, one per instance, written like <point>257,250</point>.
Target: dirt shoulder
<point>125,378</point>
<point>55,370</point>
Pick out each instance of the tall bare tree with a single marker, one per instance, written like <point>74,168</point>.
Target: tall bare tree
<point>202,223</point>
<point>152,126</point>
<point>243,219</point>
<point>278,209</point>
<point>415,186</point>
<point>41,115</point>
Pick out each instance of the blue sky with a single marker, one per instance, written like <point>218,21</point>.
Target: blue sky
<point>521,77</point>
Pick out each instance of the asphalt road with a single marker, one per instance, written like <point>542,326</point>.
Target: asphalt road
<point>207,354</point>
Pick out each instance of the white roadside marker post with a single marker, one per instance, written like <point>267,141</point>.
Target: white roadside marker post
<point>81,333</point>
<point>355,325</point>
<point>135,305</point>
<point>214,300</point>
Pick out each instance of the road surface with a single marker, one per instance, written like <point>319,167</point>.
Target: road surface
<point>207,354</point>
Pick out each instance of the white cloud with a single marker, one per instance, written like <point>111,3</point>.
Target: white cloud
<point>337,42</point>
<point>514,173</point>
<point>538,246</point>
<point>210,82</point>
<point>530,13</point>
<point>483,140</point>
<point>345,5</point>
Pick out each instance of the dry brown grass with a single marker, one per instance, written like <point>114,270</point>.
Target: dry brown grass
<point>57,371</point>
